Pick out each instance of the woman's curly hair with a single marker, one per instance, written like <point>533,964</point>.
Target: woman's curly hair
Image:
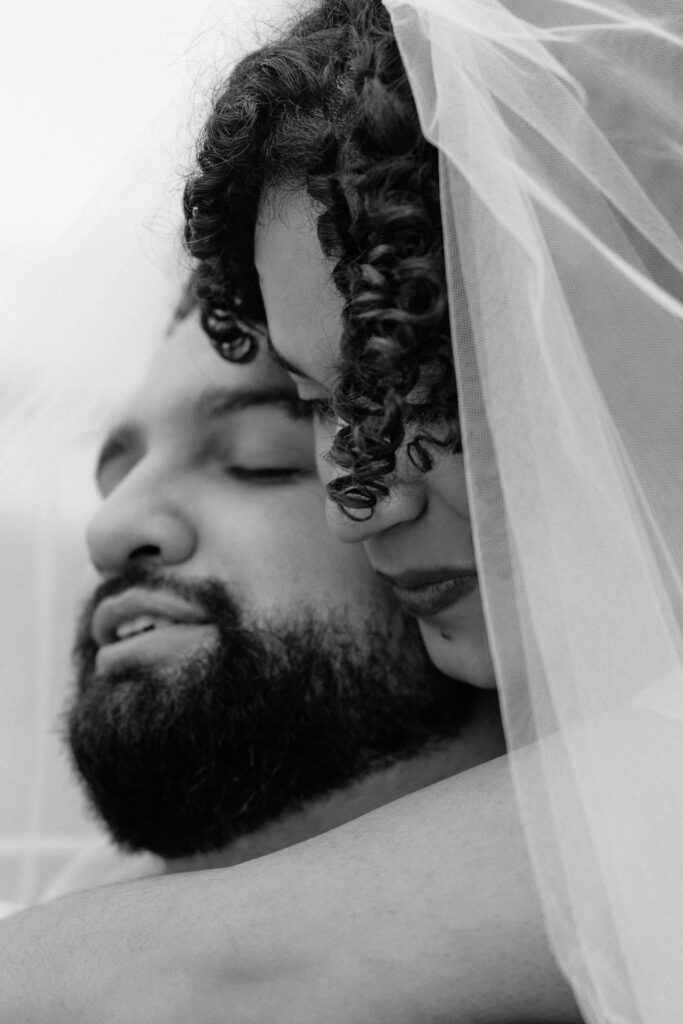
<point>328,107</point>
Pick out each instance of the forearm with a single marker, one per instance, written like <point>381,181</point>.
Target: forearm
<point>422,910</point>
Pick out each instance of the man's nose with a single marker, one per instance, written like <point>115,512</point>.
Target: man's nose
<point>404,503</point>
<point>140,521</point>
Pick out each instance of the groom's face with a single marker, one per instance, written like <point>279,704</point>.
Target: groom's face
<point>235,660</point>
<point>210,473</point>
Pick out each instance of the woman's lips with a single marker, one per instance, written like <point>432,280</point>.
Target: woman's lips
<point>423,594</point>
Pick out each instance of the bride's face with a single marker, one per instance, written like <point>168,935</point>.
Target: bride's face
<point>419,536</point>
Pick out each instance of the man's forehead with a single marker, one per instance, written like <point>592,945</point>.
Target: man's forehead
<point>189,346</point>
<point>187,377</point>
<point>187,368</point>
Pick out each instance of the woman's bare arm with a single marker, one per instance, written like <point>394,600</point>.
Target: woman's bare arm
<point>422,911</point>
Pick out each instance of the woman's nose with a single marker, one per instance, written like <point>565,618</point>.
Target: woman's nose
<point>404,503</point>
<point>138,523</point>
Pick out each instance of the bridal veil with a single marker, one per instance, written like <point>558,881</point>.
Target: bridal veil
<point>79,323</point>
<point>560,130</point>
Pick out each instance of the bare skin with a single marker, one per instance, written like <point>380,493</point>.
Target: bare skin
<point>328,931</point>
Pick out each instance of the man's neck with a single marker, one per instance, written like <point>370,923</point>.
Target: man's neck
<point>481,739</point>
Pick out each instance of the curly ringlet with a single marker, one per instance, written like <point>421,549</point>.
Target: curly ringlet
<point>328,107</point>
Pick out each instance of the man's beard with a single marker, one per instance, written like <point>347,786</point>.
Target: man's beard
<point>183,758</point>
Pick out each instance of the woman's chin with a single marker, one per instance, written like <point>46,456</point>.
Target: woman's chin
<point>462,655</point>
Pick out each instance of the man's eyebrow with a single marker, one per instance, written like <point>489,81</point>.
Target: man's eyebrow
<point>285,363</point>
<point>213,404</point>
<point>216,402</point>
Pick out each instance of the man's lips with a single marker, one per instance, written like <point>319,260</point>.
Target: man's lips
<point>138,610</point>
<point>426,592</point>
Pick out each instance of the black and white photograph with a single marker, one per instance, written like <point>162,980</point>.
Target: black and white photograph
<point>341,517</point>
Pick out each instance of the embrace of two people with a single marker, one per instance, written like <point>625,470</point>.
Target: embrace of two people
<point>244,681</point>
<point>326,544</point>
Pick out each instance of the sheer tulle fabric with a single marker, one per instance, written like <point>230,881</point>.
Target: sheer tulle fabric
<point>76,336</point>
<point>560,126</point>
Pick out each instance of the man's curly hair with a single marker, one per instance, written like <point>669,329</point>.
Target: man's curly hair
<point>327,107</point>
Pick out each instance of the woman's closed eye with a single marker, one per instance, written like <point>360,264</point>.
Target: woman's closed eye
<point>319,408</point>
